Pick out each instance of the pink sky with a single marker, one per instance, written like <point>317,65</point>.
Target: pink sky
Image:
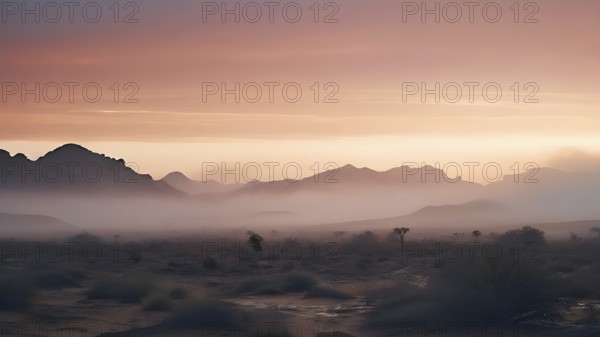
<point>368,54</point>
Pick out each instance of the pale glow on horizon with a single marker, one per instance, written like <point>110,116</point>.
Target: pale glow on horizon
<point>379,153</point>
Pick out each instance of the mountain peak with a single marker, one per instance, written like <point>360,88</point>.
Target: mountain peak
<point>74,152</point>
<point>71,148</point>
<point>176,176</point>
<point>351,167</point>
<point>20,156</point>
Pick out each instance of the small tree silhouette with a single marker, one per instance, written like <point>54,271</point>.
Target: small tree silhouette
<point>256,241</point>
<point>401,232</point>
<point>476,234</point>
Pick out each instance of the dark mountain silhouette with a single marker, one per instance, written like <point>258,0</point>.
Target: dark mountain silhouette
<point>73,168</point>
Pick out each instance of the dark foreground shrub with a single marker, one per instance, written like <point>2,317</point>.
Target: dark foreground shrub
<point>501,292</point>
<point>52,277</point>
<point>177,293</point>
<point>126,290</point>
<point>214,318</point>
<point>279,284</point>
<point>158,303</point>
<point>16,293</point>
<point>322,292</point>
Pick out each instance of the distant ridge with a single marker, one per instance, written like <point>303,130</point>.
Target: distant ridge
<point>350,177</point>
<point>182,183</point>
<point>31,224</point>
<point>470,213</point>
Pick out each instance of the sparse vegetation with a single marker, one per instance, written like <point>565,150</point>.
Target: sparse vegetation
<point>401,232</point>
<point>525,285</point>
<point>256,241</point>
<point>524,236</point>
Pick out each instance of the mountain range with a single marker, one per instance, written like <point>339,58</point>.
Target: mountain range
<point>77,186</point>
<point>72,168</point>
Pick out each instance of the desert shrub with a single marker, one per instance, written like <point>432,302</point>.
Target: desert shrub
<point>126,290</point>
<point>365,263</point>
<point>157,303</point>
<point>581,283</point>
<point>296,282</point>
<point>503,292</point>
<point>85,238</point>
<point>15,293</point>
<point>280,284</point>
<point>365,244</point>
<point>210,263</point>
<point>524,236</point>
<point>322,292</point>
<point>202,314</point>
<point>52,277</point>
<point>223,318</point>
<point>255,241</point>
<point>177,293</point>
<point>211,317</point>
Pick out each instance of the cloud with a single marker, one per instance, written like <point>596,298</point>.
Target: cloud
<point>575,160</point>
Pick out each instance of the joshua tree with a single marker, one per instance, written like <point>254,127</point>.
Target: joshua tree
<point>256,240</point>
<point>401,232</point>
<point>595,230</point>
<point>476,234</point>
